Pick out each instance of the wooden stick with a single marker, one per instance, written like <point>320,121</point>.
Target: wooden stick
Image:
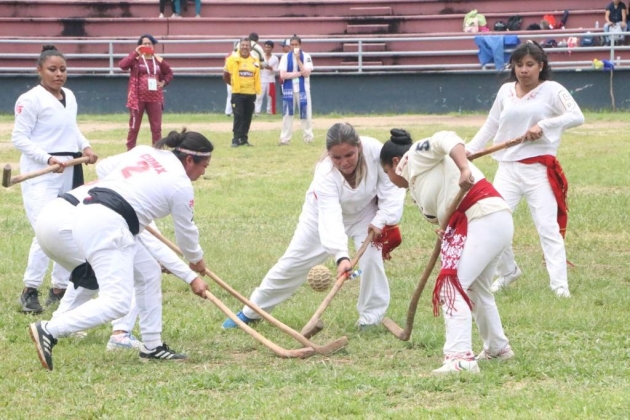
<point>496,148</point>
<point>326,350</point>
<point>52,168</point>
<point>315,325</point>
<point>405,334</point>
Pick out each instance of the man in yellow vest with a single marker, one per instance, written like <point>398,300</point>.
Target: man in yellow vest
<point>242,73</point>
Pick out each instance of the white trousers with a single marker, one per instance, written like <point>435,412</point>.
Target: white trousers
<point>487,238</point>
<point>306,251</point>
<point>514,181</point>
<point>307,126</point>
<point>55,233</point>
<point>264,93</point>
<point>228,102</point>
<point>36,193</point>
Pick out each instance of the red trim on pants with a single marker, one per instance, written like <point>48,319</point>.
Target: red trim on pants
<point>154,112</point>
<point>272,96</point>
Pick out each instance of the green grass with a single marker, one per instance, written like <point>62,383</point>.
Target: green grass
<point>572,355</point>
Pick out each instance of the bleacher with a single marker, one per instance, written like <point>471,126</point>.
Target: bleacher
<point>390,35</point>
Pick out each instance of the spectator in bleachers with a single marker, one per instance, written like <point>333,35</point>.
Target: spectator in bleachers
<point>616,15</point>
<point>295,71</point>
<point>149,73</point>
<point>269,70</point>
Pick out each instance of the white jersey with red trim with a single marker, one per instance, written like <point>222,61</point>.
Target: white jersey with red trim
<point>43,125</point>
<point>155,184</point>
<point>333,204</point>
<point>434,178</point>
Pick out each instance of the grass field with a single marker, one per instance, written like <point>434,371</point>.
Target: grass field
<point>572,354</point>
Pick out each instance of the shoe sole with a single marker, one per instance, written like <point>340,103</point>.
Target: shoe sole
<point>119,348</point>
<point>146,360</point>
<point>32,329</point>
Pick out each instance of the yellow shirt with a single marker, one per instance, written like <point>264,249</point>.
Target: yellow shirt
<point>244,73</point>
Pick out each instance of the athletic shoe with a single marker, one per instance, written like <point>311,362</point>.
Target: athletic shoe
<point>54,298</point>
<point>562,292</point>
<point>161,16</point>
<point>245,143</point>
<point>30,301</point>
<point>161,353</point>
<point>175,15</point>
<point>308,140</point>
<point>123,341</point>
<point>44,342</point>
<point>504,281</point>
<point>229,324</point>
<point>506,353</point>
<point>457,365</point>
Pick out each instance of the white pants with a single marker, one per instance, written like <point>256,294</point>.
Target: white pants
<point>306,251</point>
<point>287,120</point>
<point>36,193</point>
<point>487,238</point>
<point>514,181</point>
<point>55,233</point>
<point>228,102</point>
<point>264,93</point>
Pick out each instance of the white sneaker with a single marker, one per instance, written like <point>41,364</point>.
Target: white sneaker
<point>175,15</point>
<point>562,292</point>
<point>506,353</point>
<point>457,365</point>
<point>123,341</point>
<point>504,281</point>
<point>161,16</point>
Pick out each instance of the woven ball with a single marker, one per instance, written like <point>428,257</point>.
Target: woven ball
<point>319,278</point>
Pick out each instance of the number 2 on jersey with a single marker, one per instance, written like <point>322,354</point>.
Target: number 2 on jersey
<point>140,167</point>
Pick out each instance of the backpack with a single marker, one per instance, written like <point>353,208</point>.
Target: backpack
<point>550,43</point>
<point>533,27</point>
<point>473,21</point>
<point>551,21</point>
<point>500,26</point>
<point>514,23</point>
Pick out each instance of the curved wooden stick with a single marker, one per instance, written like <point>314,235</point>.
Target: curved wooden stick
<point>405,334</point>
<point>52,168</point>
<point>325,350</point>
<point>496,148</point>
<point>315,324</point>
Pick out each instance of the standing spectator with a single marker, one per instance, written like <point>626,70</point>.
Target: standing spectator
<point>533,106</point>
<point>163,5</point>
<point>286,45</point>
<point>46,133</point>
<point>149,74</point>
<point>256,52</point>
<point>242,73</point>
<point>616,14</point>
<point>295,70</point>
<point>349,197</point>
<point>268,80</point>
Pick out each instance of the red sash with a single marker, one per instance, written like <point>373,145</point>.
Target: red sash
<point>453,243</point>
<point>559,186</point>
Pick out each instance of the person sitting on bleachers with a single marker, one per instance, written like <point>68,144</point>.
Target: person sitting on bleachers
<point>616,15</point>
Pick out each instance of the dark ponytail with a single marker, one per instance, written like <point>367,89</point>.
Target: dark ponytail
<point>187,143</point>
<point>397,145</point>
<point>47,52</point>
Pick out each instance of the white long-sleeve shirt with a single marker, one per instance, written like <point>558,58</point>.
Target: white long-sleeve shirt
<point>155,184</point>
<point>332,204</point>
<point>549,105</point>
<point>296,74</point>
<point>434,178</point>
<point>269,75</point>
<point>43,125</point>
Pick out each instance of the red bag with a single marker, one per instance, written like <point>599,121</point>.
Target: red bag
<point>551,20</point>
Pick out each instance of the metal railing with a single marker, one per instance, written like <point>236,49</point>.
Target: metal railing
<point>440,58</point>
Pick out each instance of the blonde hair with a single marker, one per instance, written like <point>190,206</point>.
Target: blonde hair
<point>341,133</point>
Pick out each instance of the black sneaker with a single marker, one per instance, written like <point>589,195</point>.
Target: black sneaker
<point>30,301</point>
<point>161,353</point>
<point>44,342</point>
<point>245,143</point>
<point>54,298</point>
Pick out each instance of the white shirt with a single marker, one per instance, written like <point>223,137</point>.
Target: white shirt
<point>550,106</point>
<point>269,76</point>
<point>155,184</point>
<point>294,75</point>
<point>43,125</point>
<point>434,178</point>
<point>332,204</point>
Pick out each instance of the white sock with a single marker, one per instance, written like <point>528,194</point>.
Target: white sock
<point>151,345</point>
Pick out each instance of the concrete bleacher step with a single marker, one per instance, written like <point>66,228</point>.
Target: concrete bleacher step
<point>368,28</point>
<point>371,11</point>
<point>366,46</point>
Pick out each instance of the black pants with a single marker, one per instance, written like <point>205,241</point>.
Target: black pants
<point>243,109</point>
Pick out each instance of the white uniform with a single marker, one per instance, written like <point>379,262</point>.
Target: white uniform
<point>332,212</point>
<point>287,120</point>
<point>267,82</point>
<point>155,184</point>
<point>553,108</point>
<point>42,126</point>
<point>433,184</point>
